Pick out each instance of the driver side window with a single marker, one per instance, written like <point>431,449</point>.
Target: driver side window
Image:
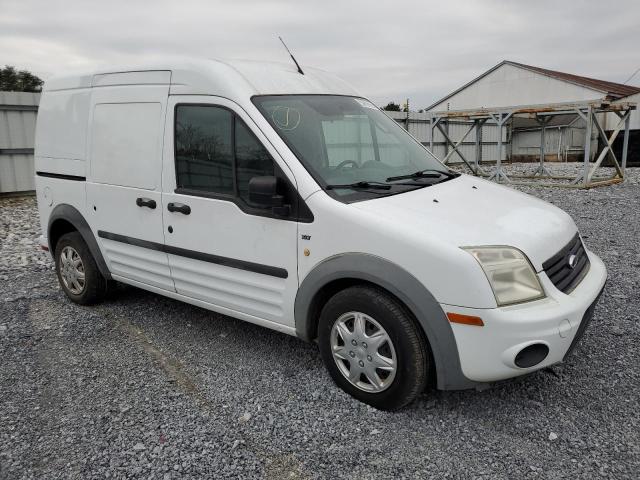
<point>216,153</point>
<point>252,159</point>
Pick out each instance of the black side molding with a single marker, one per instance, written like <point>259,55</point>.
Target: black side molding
<point>62,176</point>
<point>205,257</point>
<point>16,151</point>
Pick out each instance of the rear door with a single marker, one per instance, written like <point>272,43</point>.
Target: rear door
<point>125,177</point>
<point>222,250</point>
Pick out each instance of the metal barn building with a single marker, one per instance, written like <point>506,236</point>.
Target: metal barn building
<point>511,84</point>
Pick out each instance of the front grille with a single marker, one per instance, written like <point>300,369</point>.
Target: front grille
<point>559,270</point>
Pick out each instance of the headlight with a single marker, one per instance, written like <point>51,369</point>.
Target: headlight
<point>510,274</point>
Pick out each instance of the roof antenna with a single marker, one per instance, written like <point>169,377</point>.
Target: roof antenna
<point>292,57</point>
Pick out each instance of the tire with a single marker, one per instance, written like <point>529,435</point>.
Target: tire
<point>391,388</point>
<point>112,289</point>
<point>88,290</point>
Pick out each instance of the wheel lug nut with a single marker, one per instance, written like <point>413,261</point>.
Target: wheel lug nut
<point>369,357</point>
<point>354,343</point>
<point>351,354</point>
<point>361,363</point>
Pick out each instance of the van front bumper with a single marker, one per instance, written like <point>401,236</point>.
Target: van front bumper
<point>557,322</point>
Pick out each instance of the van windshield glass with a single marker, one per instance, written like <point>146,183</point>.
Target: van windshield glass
<point>349,146</point>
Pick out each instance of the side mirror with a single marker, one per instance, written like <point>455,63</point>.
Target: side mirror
<point>264,192</point>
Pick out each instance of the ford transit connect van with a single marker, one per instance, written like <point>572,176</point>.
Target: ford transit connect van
<point>288,200</point>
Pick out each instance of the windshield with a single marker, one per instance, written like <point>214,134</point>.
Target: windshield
<point>351,148</point>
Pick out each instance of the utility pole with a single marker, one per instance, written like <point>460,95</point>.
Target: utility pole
<point>406,123</point>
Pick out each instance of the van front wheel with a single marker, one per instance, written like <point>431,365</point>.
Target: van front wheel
<point>373,348</point>
<point>77,271</point>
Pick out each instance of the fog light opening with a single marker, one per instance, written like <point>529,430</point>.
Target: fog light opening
<point>532,355</point>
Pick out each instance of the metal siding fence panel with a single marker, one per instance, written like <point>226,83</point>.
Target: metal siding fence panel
<point>490,133</point>
<point>19,98</point>
<point>457,131</point>
<point>16,173</point>
<point>420,127</point>
<point>420,130</point>
<point>5,137</point>
<point>17,131</point>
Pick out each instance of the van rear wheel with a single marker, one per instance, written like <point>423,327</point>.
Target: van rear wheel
<point>373,348</point>
<point>77,271</point>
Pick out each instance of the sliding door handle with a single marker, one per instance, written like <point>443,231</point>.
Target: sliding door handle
<point>146,202</point>
<point>179,207</point>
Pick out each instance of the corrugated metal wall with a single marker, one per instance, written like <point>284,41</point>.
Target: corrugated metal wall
<point>18,112</point>
<point>564,139</point>
<point>457,130</point>
<point>560,142</point>
<point>420,128</point>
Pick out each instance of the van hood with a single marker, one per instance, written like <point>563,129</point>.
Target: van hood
<point>468,211</point>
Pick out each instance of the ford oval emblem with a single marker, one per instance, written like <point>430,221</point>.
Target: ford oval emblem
<point>572,261</point>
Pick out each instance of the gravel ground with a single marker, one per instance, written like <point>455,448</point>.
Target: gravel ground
<point>146,387</point>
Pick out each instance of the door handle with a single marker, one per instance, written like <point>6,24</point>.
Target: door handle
<point>146,202</point>
<point>179,207</point>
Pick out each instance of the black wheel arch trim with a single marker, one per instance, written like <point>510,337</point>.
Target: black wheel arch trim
<point>404,286</point>
<point>74,217</point>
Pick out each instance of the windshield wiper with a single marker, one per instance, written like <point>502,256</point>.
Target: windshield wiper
<point>428,173</point>
<point>360,186</point>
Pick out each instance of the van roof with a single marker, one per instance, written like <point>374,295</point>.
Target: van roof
<point>228,78</point>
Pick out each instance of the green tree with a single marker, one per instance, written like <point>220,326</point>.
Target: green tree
<point>19,81</point>
<point>392,107</point>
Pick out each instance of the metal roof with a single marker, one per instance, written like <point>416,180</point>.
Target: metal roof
<point>612,90</point>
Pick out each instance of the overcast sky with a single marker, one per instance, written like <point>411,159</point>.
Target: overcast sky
<point>388,50</point>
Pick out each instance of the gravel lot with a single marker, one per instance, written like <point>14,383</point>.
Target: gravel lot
<point>146,387</point>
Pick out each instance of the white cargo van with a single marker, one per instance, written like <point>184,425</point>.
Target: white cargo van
<point>288,200</point>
